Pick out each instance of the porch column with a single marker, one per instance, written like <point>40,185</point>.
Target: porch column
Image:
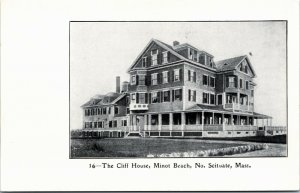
<point>271,121</point>
<point>202,119</point>
<point>149,122</point>
<point>134,122</point>
<point>231,119</point>
<point>213,118</point>
<point>247,121</point>
<point>182,120</point>
<point>145,122</point>
<point>224,99</point>
<point>238,96</point>
<point>159,122</point>
<point>238,120</point>
<point>130,122</point>
<point>223,121</point>
<point>170,121</point>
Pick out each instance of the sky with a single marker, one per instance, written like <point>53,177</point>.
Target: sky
<point>100,51</point>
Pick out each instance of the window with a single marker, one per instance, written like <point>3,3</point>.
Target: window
<point>178,94</point>
<point>241,83</point>
<point>176,75</point>
<point>165,77</point>
<point>115,123</point>
<point>191,75</point>
<point>230,83</point>
<point>212,99</point>
<point>252,93</point>
<point>116,110</point>
<point>95,124</point>
<point>154,79</point>
<point>110,124</point>
<point>109,110</point>
<point>192,95</point>
<point>166,96</point>
<point>154,57</point>
<point>165,57</point>
<point>212,82</point>
<point>127,110</point>
<point>154,97</point>
<point>205,98</point>
<point>205,80</point>
<point>133,97</point>
<point>133,80</point>
<point>123,123</point>
<point>246,69</point>
<point>247,85</point>
<point>142,99</point>
<point>104,111</point>
<point>202,59</point>
<point>144,61</point>
<point>211,63</point>
<point>141,80</point>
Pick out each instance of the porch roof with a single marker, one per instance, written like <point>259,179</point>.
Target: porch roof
<point>220,109</point>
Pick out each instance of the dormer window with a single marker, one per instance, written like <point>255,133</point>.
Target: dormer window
<point>165,57</point>
<point>154,57</point>
<point>202,59</point>
<point>144,62</point>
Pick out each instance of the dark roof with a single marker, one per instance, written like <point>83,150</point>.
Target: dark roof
<point>207,107</point>
<point>229,64</point>
<point>200,107</point>
<point>107,99</point>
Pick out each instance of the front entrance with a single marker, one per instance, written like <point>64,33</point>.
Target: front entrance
<point>138,123</point>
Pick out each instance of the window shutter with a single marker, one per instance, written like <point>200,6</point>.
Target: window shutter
<point>235,82</point>
<point>158,97</point>
<point>137,97</point>
<point>173,95</point>
<point>227,81</point>
<point>189,95</point>
<point>189,75</point>
<point>146,98</point>
<point>159,75</point>
<point>172,76</point>
<point>149,98</point>
<point>161,96</point>
<point>169,56</point>
<point>137,79</point>
<point>169,78</point>
<point>161,78</point>
<point>180,93</point>
<point>194,77</point>
<point>194,97</point>
<point>159,57</point>
<point>180,75</point>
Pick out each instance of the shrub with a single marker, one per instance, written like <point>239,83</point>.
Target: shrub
<point>97,147</point>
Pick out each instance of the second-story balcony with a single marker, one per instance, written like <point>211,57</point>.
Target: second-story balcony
<point>138,107</point>
<point>236,106</point>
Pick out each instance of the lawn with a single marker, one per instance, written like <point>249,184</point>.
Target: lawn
<point>141,147</point>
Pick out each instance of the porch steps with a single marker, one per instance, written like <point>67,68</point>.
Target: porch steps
<point>136,134</point>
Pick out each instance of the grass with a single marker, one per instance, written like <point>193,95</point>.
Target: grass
<point>142,147</point>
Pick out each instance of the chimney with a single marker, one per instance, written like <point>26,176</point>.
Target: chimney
<point>175,43</point>
<point>118,84</point>
<point>125,86</point>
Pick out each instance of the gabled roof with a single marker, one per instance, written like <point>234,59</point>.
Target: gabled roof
<point>232,64</point>
<point>168,48</point>
<point>118,98</point>
<point>108,99</point>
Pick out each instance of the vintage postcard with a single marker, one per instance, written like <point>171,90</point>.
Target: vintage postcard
<point>178,98</point>
<point>150,96</point>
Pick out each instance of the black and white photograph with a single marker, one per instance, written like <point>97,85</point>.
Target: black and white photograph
<point>178,89</point>
<point>149,96</point>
